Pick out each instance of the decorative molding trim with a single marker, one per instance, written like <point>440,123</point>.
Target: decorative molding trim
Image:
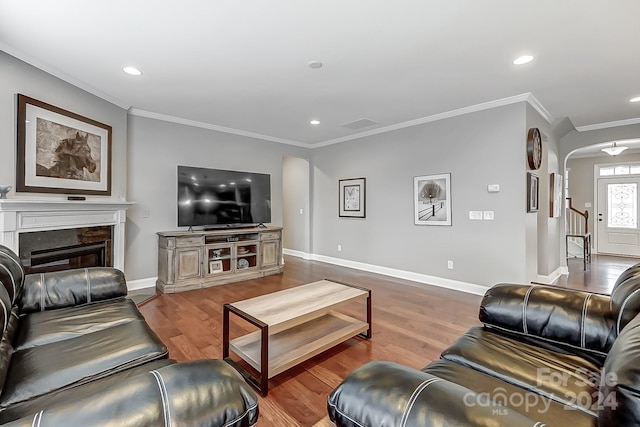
<point>424,279</point>
<point>525,97</point>
<point>297,254</point>
<point>59,74</point>
<point>533,101</point>
<point>607,125</point>
<point>547,280</point>
<point>136,285</point>
<point>193,123</point>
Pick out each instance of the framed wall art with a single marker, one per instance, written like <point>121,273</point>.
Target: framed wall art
<point>351,194</point>
<point>532,192</point>
<point>215,267</point>
<point>60,151</point>
<point>555,195</point>
<point>432,199</point>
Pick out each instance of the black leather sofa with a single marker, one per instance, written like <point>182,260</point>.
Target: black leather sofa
<point>76,352</point>
<point>545,356</point>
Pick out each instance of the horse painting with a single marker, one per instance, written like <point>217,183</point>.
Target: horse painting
<point>72,159</point>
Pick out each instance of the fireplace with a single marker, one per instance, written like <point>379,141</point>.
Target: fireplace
<point>55,250</point>
<point>100,240</point>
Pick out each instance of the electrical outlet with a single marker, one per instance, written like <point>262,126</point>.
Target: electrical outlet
<point>339,248</point>
<point>450,265</point>
<point>145,213</point>
<point>300,211</point>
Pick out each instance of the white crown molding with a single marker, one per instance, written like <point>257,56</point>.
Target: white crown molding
<point>607,125</point>
<point>525,97</point>
<point>61,75</point>
<point>193,123</point>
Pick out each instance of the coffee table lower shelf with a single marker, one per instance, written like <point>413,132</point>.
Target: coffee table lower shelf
<point>290,347</point>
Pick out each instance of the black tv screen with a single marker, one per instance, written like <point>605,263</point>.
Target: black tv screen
<point>215,197</point>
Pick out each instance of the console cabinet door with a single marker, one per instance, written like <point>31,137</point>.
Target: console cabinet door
<point>188,263</point>
<point>270,251</point>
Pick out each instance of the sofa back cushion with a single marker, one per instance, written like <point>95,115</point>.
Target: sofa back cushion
<point>574,319</point>
<point>620,380</point>
<point>9,323</point>
<point>11,273</point>
<point>625,300</point>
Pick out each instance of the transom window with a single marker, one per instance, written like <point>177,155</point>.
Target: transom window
<point>617,170</point>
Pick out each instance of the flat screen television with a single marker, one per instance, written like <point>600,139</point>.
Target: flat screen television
<point>215,198</point>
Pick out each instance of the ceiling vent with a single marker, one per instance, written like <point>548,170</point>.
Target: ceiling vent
<point>359,124</point>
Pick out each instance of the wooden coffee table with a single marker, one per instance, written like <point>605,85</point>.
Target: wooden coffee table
<point>295,325</point>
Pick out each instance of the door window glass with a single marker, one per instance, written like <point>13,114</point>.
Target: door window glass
<point>623,205</point>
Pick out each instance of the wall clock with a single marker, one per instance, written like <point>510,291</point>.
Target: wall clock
<point>534,148</point>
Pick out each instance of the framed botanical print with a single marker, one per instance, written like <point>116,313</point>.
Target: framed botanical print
<point>351,193</point>
<point>532,192</point>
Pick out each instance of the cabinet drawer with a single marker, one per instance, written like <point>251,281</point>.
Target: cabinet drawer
<point>189,241</point>
<point>270,235</point>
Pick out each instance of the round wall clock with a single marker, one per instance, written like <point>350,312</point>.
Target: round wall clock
<point>534,148</point>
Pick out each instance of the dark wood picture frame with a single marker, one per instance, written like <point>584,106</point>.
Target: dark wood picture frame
<point>532,192</point>
<point>352,197</point>
<point>77,148</point>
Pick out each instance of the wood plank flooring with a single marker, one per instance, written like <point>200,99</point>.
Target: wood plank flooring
<point>411,325</point>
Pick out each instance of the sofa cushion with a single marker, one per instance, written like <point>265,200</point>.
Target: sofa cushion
<point>59,365</point>
<point>489,389</point>
<point>386,394</point>
<point>580,320</point>
<point>198,393</point>
<point>625,301</point>
<point>74,394</point>
<point>66,288</point>
<point>11,273</point>
<point>44,327</point>
<point>620,390</point>
<point>558,376</point>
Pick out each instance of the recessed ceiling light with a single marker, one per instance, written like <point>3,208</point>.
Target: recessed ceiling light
<point>132,70</point>
<point>524,59</point>
<point>636,99</point>
<point>315,64</point>
<point>314,122</point>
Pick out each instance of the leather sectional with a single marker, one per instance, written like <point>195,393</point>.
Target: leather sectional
<point>76,352</point>
<point>545,356</point>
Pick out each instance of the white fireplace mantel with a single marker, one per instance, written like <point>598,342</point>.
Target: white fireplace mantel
<point>28,215</point>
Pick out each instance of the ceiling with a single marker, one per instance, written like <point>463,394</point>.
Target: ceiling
<point>242,66</point>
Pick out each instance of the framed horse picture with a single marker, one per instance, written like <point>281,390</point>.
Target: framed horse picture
<point>60,151</point>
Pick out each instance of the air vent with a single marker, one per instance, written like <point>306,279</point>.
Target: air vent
<point>359,124</point>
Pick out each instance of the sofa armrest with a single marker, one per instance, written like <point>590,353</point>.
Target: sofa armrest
<point>47,291</point>
<point>202,392</point>
<point>572,318</point>
<point>389,394</point>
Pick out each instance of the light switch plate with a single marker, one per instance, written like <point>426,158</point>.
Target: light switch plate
<point>476,215</point>
<point>493,188</point>
<point>487,215</point>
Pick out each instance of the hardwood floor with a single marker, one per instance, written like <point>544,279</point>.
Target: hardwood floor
<point>412,324</point>
<point>599,276</point>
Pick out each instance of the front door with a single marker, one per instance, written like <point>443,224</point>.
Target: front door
<point>617,216</point>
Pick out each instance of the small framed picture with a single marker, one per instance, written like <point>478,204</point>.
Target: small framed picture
<point>215,267</point>
<point>532,192</point>
<point>351,194</point>
<point>432,199</point>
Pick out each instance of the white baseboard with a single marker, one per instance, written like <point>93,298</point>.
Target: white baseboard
<point>425,279</point>
<point>136,285</point>
<point>547,280</point>
<point>297,254</point>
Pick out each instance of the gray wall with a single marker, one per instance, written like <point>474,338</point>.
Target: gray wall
<point>156,148</point>
<point>477,149</point>
<point>296,210</point>
<point>546,233</point>
<point>18,77</point>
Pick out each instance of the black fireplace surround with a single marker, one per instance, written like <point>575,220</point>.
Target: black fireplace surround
<point>76,352</point>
